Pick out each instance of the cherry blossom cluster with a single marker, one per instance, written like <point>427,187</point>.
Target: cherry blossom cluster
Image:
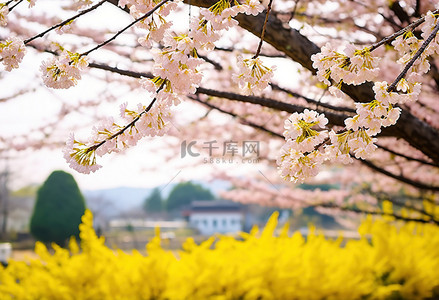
<point>78,4</point>
<point>4,11</point>
<point>156,24</point>
<point>300,156</point>
<point>80,156</point>
<point>427,28</point>
<point>359,142</point>
<point>63,72</point>
<point>178,67</point>
<point>253,76</point>
<point>354,67</point>
<point>111,137</point>
<point>408,44</point>
<point>12,52</point>
<point>32,3</point>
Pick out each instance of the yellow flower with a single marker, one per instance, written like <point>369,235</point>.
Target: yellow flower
<point>390,260</point>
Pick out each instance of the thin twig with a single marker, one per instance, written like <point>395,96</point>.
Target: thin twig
<point>131,124</point>
<point>293,12</point>
<point>14,5</point>
<point>414,58</point>
<point>65,22</point>
<point>263,30</point>
<point>125,28</point>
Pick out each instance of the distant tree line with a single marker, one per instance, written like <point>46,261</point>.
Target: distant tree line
<point>180,196</point>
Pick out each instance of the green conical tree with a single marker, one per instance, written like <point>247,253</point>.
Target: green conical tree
<point>58,209</point>
<point>154,202</point>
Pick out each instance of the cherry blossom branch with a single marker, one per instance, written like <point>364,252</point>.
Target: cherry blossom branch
<point>120,71</point>
<point>65,22</point>
<point>369,164</point>
<point>263,30</point>
<point>414,58</point>
<point>129,125</point>
<point>126,27</point>
<point>336,119</point>
<point>391,37</point>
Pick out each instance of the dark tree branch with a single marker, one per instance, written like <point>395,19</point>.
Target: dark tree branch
<point>325,21</point>
<point>260,54</point>
<point>312,101</point>
<point>376,212</point>
<point>381,196</point>
<point>391,37</point>
<point>12,7</point>
<point>334,119</point>
<point>424,162</point>
<point>417,12</point>
<point>241,119</point>
<point>400,178</point>
<point>216,65</point>
<point>399,12</point>
<point>267,12</point>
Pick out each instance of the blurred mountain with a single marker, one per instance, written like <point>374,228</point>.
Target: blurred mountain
<point>115,200</point>
<point>112,202</point>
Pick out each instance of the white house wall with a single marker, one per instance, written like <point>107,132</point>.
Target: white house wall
<point>210,223</point>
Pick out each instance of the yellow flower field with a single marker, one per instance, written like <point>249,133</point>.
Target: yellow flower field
<point>390,261</point>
